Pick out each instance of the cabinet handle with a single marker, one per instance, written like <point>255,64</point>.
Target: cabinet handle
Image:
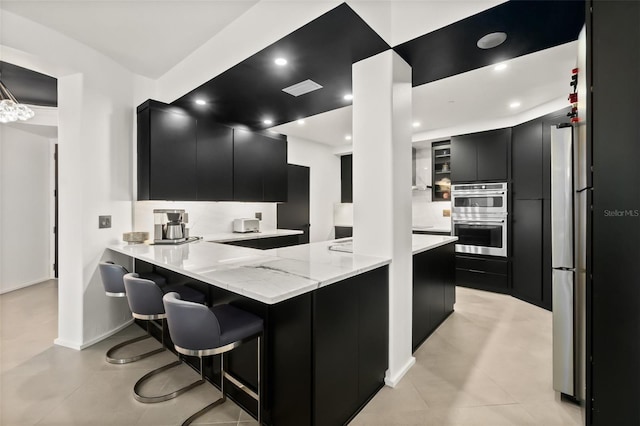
<point>477,271</point>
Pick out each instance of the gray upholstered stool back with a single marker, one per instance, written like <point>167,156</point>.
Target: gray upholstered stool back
<point>191,325</point>
<point>144,297</point>
<point>112,282</point>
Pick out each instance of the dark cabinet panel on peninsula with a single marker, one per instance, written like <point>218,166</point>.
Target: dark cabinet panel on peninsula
<point>215,162</point>
<point>481,156</point>
<point>167,151</point>
<point>433,290</point>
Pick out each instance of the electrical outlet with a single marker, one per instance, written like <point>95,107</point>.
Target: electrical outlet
<point>104,222</point>
<point>446,213</point>
<point>259,215</point>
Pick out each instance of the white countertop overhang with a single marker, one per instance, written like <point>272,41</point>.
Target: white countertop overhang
<point>268,276</point>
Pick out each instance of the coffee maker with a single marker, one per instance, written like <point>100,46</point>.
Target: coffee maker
<point>169,226</point>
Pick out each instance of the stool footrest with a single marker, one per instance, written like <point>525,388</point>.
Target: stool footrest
<point>153,399</point>
<point>241,385</point>
<point>204,410</point>
<point>113,360</point>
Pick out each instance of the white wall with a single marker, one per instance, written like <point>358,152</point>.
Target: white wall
<point>25,231</point>
<point>324,183</point>
<point>95,136</point>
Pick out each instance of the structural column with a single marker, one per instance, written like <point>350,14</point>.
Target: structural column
<point>382,188</point>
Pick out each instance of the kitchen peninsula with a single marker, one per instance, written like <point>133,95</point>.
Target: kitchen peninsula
<point>326,319</point>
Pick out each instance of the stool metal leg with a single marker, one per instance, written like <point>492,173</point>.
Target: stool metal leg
<point>112,360</point>
<point>215,403</point>
<point>152,399</point>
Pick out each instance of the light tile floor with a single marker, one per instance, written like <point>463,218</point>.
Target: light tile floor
<point>488,364</point>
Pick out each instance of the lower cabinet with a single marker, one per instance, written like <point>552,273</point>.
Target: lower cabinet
<point>433,290</point>
<point>268,242</point>
<point>483,272</point>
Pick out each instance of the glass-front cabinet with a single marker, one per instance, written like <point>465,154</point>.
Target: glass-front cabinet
<point>441,166</point>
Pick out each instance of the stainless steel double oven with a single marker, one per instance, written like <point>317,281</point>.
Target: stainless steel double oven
<point>480,218</point>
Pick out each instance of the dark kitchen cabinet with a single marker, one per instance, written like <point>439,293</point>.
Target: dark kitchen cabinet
<point>214,163</point>
<point>351,334</point>
<point>531,212</point>
<point>433,290</point>
<point>346,179</point>
<point>167,151</point>
<point>527,250</point>
<point>259,167</point>
<point>481,156</point>
<point>488,273</point>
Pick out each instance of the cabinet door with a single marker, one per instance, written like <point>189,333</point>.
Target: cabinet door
<point>336,352</point>
<point>346,179</point>
<point>493,160</point>
<point>215,161</point>
<point>527,250</point>
<point>173,151</point>
<point>527,164</point>
<point>247,166</point>
<point>274,170</point>
<point>464,159</point>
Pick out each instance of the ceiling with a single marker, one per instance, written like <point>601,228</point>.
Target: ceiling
<point>147,37</point>
<point>480,95</point>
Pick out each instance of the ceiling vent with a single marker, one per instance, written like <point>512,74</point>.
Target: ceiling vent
<point>302,88</point>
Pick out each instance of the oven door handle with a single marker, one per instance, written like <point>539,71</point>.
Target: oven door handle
<point>487,222</point>
<point>477,194</point>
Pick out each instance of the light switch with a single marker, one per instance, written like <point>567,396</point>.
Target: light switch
<point>259,215</point>
<point>104,222</point>
<point>446,213</point>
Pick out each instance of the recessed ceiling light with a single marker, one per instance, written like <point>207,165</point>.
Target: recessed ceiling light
<point>348,97</point>
<point>500,67</point>
<point>201,102</point>
<point>267,121</point>
<point>348,137</point>
<point>514,104</point>
<point>281,61</point>
<point>416,124</point>
<point>301,122</point>
<point>492,40</point>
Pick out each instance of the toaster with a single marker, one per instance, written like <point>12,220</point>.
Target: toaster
<point>246,225</point>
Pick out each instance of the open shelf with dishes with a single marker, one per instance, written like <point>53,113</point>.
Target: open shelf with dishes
<point>441,166</point>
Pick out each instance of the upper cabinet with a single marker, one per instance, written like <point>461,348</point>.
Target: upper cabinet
<point>167,153</point>
<point>441,167</point>
<point>214,163</point>
<point>259,167</point>
<point>346,179</point>
<point>481,156</point>
<point>182,159</point>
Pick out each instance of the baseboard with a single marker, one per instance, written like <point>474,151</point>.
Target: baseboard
<point>23,285</point>
<point>393,381</point>
<point>106,335</point>
<point>81,346</point>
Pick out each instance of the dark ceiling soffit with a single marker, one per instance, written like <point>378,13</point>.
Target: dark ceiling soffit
<point>531,26</point>
<point>28,86</point>
<point>322,50</point>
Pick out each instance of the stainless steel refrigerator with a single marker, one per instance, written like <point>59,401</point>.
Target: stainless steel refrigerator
<point>568,229</point>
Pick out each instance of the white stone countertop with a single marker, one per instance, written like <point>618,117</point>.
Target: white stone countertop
<point>423,242</point>
<point>268,276</point>
<point>236,236</point>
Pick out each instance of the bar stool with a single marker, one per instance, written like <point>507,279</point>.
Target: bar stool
<point>145,301</point>
<point>198,330</point>
<point>113,283</point>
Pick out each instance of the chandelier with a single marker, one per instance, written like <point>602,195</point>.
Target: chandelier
<point>10,108</point>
